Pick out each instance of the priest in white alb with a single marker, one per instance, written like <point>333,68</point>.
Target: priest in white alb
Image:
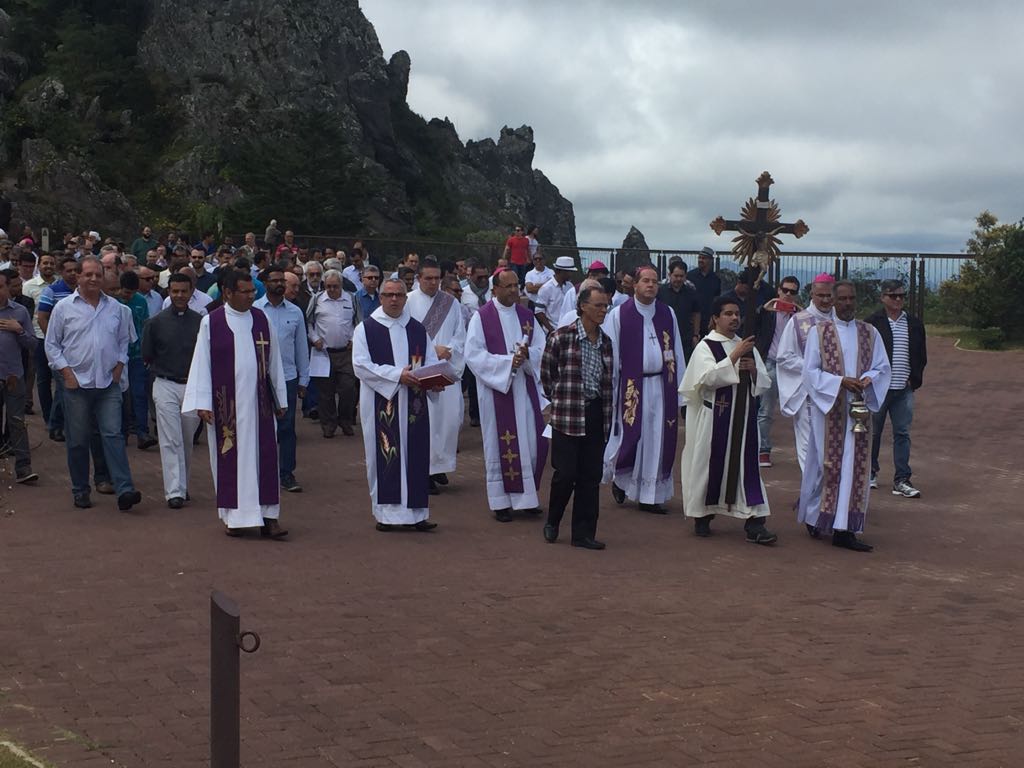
<point>789,361</point>
<point>720,472</point>
<point>387,348</point>
<point>845,363</point>
<point>442,317</point>
<point>236,385</point>
<point>504,346</point>
<point>649,367</point>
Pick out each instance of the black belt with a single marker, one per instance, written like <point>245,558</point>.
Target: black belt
<point>335,349</point>
<point>649,375</point>
<point>708,405</point>
<point>176,381</point>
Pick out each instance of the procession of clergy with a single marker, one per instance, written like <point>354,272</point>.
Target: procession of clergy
<point>605,390</point>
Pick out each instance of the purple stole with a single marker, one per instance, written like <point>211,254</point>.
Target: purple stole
<point>631,383</point>
<point>437,313</point>
<point>387,425</point>
<point>222,365</point>
<point>835,432</point>
<point>505,403</point>
<point>721,419</point>
<point>804,321</point>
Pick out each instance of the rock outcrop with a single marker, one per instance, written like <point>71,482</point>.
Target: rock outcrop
<point>634,251</point>
<point>258,72</point>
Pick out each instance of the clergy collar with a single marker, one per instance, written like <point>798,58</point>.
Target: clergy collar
<point>646,309</point>
<point>502,308</point>
<point>845,323</point>
<point>230,310</point>
<point>384,318</point>
<point>716,336</point>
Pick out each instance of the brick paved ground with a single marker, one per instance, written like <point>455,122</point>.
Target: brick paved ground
<point>479,645</point>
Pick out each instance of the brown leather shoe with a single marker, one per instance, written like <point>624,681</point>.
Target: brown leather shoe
<point>272,529</point>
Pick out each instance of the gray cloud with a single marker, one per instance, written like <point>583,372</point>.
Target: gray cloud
<point>887,126</point>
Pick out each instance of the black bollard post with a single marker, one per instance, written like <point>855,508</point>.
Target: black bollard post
<point>225,695</point>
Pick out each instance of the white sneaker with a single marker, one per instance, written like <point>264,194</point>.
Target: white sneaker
<point>903,488</point>
<point>874,481</point>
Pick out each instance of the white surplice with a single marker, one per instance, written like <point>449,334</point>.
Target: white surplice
<point>703,376</point>
<point>494,372</point>
<point>789,371</point>
<point>643,482</point>
<point>447,410</point>
<point>384,380</point>
<point>199,397</point>
<point>822,390</point>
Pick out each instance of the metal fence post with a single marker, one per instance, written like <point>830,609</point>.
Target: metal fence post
<point>225,691</point>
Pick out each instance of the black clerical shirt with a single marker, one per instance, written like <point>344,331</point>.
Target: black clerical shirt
<point>168,341</point>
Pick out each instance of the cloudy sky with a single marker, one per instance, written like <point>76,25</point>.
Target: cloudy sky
<point>886,125</point>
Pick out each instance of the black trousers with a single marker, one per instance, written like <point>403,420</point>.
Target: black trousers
<point>578,464</point>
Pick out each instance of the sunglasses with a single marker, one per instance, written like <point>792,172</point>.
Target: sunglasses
<point>789,291</point>
<point>896,295</point>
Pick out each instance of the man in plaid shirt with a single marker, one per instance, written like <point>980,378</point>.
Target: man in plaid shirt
<point>576,373</point>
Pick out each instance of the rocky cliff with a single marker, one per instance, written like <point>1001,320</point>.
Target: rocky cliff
<point>235,111</point>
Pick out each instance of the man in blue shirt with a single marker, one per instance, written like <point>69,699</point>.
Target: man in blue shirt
<point>367,297</point>
<point>87,346</point>
<point>60,289</point>
<point>137,376</point>
<point>15,336</point>
<point>289,325</point>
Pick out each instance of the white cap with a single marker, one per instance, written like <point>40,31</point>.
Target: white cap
<point>566,263</point>
<point>3,235</point>
<point>94,235</point>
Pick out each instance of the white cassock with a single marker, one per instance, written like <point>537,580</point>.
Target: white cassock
<point>703,376</point>
<point>789,372</point>
<point>383,380</point>
<point>643,482</point>
<point>447,410</point>
<point>822,390</point>
<point>494,372</point>
<point>199,397</point>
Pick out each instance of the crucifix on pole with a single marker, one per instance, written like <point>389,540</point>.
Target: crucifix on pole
<point>755,246</point>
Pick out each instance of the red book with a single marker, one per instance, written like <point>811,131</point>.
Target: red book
<point>437,375</point>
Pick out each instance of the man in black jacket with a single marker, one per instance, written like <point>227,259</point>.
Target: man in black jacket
<point>904,339</point>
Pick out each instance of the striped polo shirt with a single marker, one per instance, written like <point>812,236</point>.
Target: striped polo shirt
<point>900,352</point>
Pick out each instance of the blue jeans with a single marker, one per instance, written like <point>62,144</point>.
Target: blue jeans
<point>44,382</point>
<point>311,402</point>
<point>86,411</point>
<point>138,380</point>
<point>899,405</point>
<point>769,401</point>
<point>57,409</point>
<point>286,432</point>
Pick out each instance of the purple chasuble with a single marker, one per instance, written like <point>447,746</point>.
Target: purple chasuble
<point>222,369</point>
<point>835,432</point>
<point>722,416</point>
<point>631,385</point>
<point>505,403</point>
<point>387,426</point>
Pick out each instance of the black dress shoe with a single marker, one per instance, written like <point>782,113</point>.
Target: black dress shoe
<point>474,422</point>
<point>147,441</point>
<point>385,527</point>
<point>441,478</point>
<point>346,429</point>
<point>272,529</point>
<point>425,525</point>
<point>57,435</point>
<point>654,509</point>
<point>847,540</point>
<point>176,503</point>
<point>550,533</point>
<point>702,526</point>
<point>432,488</point>
<point>618,494</point>
<point>813,531</point>
<point>535,511</point>
<point>503,515</point>
<point>83,501</point>
<point>761,535</point>
<point>588,543</point>
<point>128,499</point>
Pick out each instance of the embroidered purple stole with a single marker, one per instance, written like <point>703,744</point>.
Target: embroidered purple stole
<point>721,416</point>
<point>388,426</point>
<point>437,313</point>
<point>505,403</point>
<point>804,321</point>
<point>631,383</point>
<point>836,428</point>
<point>222,369</point>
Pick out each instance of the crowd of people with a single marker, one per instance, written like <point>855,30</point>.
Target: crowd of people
<point>607,374</point>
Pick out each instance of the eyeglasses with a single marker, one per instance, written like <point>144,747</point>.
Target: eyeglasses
<point>789,291</point>
<point>899,296</point>
<point>392,295</point>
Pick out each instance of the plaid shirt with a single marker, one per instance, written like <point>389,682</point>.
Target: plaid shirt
<point>561,374</point>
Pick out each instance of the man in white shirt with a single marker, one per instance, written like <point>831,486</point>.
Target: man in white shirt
<point>551,298</point>
<point>536,277</point>
<point>331,322</point>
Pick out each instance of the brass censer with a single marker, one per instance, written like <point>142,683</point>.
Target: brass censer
<point>860,414</point>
